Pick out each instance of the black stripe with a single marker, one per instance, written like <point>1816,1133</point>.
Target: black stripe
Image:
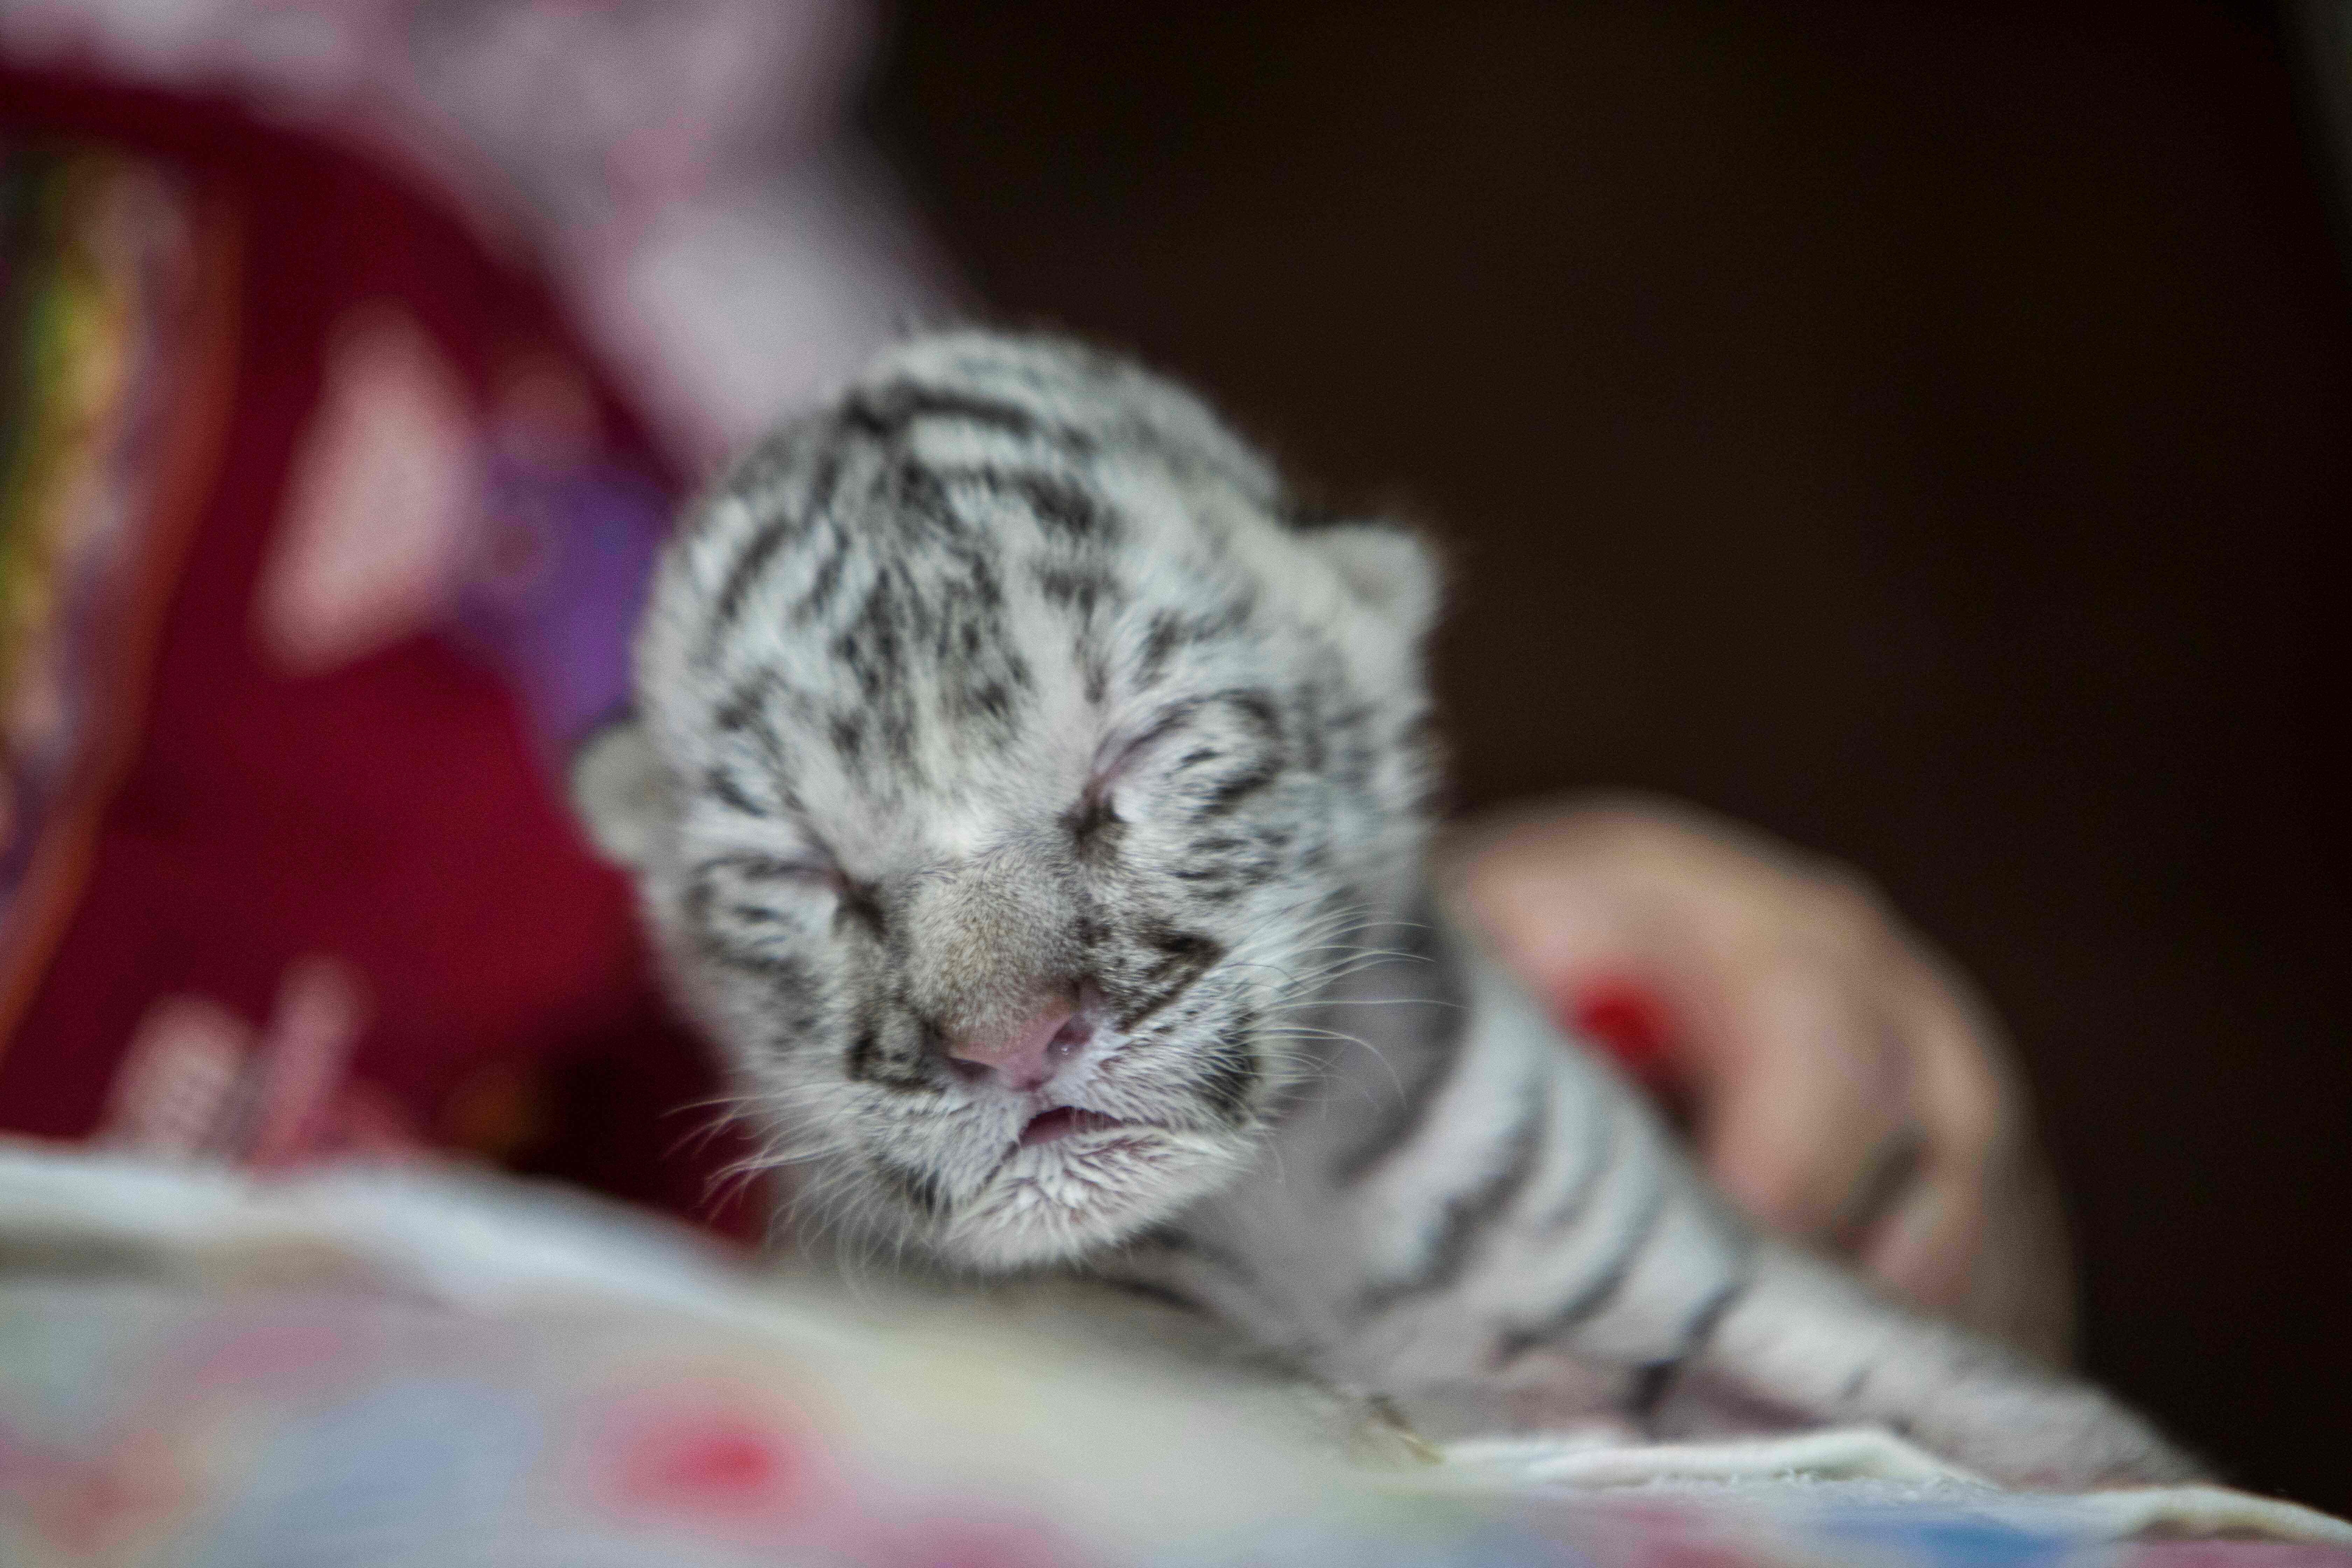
<point>1235,790</point>
<point>864,1051</point>
<point>1095,829</point>
<point>1160,643</point>
<point>862,902</point>
<point>1467,1215</point>
<point>748,564</point>
<point>1184,957</point>
<point>786,973</point>
<point>1063,507</point>
<point>918,1189</point>
<point>1403,1122</point>
<point>885,411</point>
<point>1599,1292</point>
<point>1201,1253</point>
<point>868,1065</point>
<point>1573,1203</point>
<point>750,865</point>
<point>1231,1078</point>
<point>1076,587</point>
<point>917,503</point>
<point>1653,1384</point>
<point>1709,1314</point>
<point>753,559</point>
<point>1256,706</point>
<point>745,712</point>
<point>822,587</point>
<point>1151,1291</point>
<point>730,794</point>
<point>703,906</point>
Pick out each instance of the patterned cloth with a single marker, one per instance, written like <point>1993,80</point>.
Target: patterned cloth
<point>200,1371</point>
<point>320,537</point>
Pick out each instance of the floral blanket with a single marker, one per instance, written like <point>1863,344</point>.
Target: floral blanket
<point>383,1368</point>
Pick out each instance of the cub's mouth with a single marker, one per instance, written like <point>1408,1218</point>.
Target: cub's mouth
<point>1066,1121</point>
<point>1073,1181</point>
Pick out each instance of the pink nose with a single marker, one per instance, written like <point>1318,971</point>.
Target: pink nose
<point>1028,1054</point>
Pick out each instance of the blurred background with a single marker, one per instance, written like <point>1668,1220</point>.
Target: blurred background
<point>1924,431</point>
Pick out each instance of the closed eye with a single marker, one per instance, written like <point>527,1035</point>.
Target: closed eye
<point>1236,728</point>
<point>1096,812</point>
<point>1123,756</point>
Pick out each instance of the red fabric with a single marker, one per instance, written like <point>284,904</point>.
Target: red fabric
<point>390,813</point>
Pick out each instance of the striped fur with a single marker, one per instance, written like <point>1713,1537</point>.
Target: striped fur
<point>1014,672</point>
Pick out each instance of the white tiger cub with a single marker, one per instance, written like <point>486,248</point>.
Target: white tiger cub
<point>1032,805</point>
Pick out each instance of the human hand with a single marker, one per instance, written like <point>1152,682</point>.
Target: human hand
<point>1844,1084</point>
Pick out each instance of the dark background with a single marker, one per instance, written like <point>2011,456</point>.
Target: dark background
<point>1924,431</point>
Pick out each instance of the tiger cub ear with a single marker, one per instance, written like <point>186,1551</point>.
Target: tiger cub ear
<point>621,791</point>
<point>1391,568</point>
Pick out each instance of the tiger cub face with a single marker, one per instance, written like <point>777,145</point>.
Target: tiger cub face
<point>1007,770</point>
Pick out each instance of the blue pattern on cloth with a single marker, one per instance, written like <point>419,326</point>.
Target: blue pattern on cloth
<point>1925,1535</point>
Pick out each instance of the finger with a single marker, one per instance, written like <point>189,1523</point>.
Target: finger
<point>1805,1098</point>
<point>2000,1265</point>
<point>1984,1239</point>
<point>1925,1246</point>
<point>1928,1245</point>
<point>1894,1173</point>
